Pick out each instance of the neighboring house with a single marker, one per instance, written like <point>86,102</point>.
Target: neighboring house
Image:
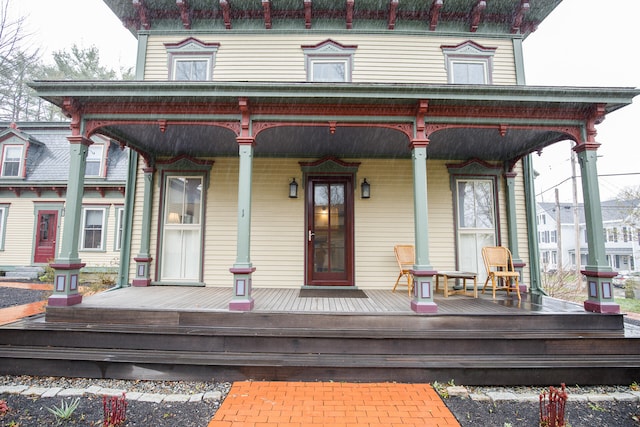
<point>289,144</point>
<point>33,186</point>
<point>621,236</point>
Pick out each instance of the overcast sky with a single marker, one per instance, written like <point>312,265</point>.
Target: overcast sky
<point>582,43</point>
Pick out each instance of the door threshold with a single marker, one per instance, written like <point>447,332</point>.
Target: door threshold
<point>337,287</point>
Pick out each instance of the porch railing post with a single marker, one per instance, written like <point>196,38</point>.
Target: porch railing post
<point>242,269</point>
<point>423,274</point>
<point>143,259</point>
<point>598,272</point>
<point>67,266</point>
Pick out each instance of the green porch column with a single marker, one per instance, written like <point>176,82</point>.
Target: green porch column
<point>512,224</point>
<point>67,266</point>
<point>597,270</point>
<point>535,286</point>
<point>143,258</point>
<point>422,300</point>
<point>242,269</point>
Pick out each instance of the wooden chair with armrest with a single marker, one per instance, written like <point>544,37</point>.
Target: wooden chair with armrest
<point>499,264</point>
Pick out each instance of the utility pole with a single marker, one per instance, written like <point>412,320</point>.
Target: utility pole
<point>558,231</point>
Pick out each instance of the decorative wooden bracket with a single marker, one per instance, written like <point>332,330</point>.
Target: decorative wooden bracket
<point>503,129</point>
<point>350,4</point>
<point>307,14</point>
<point>393,11</point>
<point>266,7</point>
<point>332,126</point>
<point>143,13</point>
<point>226,13</point>
<point>434,14</point>
<point>184,13</point>
<point>518,16</point>
<point>163,125</point>
<point>476,14</point>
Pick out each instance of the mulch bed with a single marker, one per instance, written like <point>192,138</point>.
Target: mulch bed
<point>32,412</point>
<point>15,296</point>
<point>514,414</point>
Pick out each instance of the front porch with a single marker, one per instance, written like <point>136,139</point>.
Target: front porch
<point>169,332</point>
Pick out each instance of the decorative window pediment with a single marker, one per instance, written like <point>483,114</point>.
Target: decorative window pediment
<point>191,59</point>
<point>329,61</point>
<point>469,63</point>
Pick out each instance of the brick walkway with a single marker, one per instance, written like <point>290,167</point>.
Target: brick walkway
<point>322,404</point>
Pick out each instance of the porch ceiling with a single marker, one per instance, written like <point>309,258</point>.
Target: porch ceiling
<point>316,120</point>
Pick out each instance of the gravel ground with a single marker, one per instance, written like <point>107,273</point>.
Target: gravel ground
<point>15,296</point>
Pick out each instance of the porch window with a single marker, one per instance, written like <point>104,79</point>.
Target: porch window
<point>476,222</point>
<point>329,62</point>
<point>93,229</point>
<point>12,160</point>
<point>94,160</point>
<point>468,63</point>
<point>191,60</point>
<point>182,230</point>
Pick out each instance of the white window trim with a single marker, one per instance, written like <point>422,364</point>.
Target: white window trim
<point>4,213</point>
<point>85,210</point>
<point>5,147</point>
<point>468,53</point>
<point>119,224</point>
<point>329,51</point>
<point>101,160</point>
<point>191,49</point>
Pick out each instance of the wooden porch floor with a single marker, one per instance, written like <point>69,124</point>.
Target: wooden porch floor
<point>274,300</point>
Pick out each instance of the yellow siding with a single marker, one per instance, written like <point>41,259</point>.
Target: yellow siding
<point>21,228</point>
<point>378,58</point>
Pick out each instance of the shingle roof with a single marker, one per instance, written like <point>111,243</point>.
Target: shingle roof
<point>612,210</point>
<point>48,156</point>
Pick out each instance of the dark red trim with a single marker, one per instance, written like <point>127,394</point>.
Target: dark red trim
<point>64,300</point>
<point>393,8</point>
<point>605,308</point>
<point>601,274</point>
<point>61,266</point>
<point>434,14</point>
<point>242,270</point>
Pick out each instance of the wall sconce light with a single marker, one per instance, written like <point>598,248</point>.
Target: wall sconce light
<point>365,189</point>
<point>293,189</point>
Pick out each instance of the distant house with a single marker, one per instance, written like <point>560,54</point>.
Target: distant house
<point>621,237</point>
<point>33,187</point>
<point>293,144</point>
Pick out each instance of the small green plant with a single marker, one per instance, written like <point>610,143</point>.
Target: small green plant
<point>596,407</point>
<point>65,411</point>
<point>441,389</point>
<point>49,273</point>
<point>634,386</point>
<point>114,410</point>
<point>4,408</point>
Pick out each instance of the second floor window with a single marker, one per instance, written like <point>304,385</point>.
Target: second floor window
<point>94,160</point>
<point>329,62</point>
<point>468,63</point>
<point>11,160</point>
<point>191,60</point>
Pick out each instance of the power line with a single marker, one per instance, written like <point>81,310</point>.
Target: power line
<point>578,176</point>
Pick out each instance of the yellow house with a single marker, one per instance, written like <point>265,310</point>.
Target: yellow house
<point>293,144</point>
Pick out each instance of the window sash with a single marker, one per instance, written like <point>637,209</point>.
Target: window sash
<point>469,72</point>
<point>190,68</point>
<point>12,160</point>
<point>92,229</point>
<point>328,70</point>
<point>93,165</point>
<point>119,227</point>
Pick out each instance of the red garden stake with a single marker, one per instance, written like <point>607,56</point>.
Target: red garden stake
<point>115,410</point>
<point>552,407</point>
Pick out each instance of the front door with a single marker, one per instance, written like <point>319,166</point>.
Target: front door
<point>46,233</point>
<point>329,249</point>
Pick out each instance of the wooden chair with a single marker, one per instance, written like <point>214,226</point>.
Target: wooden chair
<point>406,257</point>
<point>499,265</point>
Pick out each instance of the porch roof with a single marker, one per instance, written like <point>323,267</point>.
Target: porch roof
<point>316,119</point>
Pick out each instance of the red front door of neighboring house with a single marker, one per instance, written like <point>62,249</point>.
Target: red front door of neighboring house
<point>46,234</point>
<point>329,249</point>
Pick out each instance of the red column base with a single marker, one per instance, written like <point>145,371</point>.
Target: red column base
<point>424,307</point>
<point>599,307</point>
<point>141,282</point>
<point>64,300</point>
<point>241,305</point>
